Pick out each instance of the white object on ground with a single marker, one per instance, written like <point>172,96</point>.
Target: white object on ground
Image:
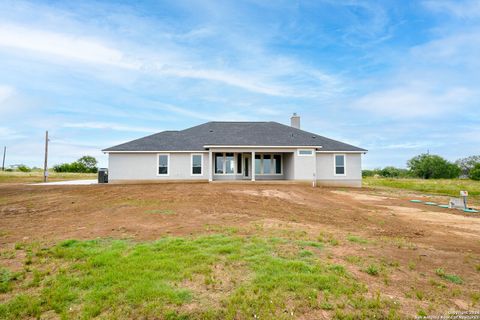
<point>66,183</point>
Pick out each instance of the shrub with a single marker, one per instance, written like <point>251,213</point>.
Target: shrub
<point>391,172</point>
<point>474,173</point>
<point>429,166</point>
<point>85,164</point>
<point>23,168</point>
<point>467,164</point>
<point>371,173</point>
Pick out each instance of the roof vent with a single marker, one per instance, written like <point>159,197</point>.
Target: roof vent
<point>295,121</point>
<point>211,130</point>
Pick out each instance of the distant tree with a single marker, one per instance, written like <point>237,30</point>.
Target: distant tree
<point>89,162</point>
<point>474,173</point>
<point>370,173</point>
<point>390,172</point>
<point>429,166</point>
<point>23,168</point>
<point>86,164</point>
<point>467,164</point>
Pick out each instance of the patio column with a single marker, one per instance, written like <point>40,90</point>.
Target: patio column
<point>210,165</point>
<point>253,165</point>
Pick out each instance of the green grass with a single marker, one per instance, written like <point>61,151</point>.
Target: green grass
<point>449,277</point>
<point>449,187</point>
<point>37,176</point>
<point>356,239</point>
<point>178,278</point>
<point>372,270</point>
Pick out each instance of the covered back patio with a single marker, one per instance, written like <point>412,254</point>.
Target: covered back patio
<point>250,164</point>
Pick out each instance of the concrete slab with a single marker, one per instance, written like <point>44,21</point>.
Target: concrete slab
<point>67,183</point>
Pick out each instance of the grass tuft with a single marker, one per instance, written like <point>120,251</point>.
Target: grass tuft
<point>372,270</point>
<point>356,239</point>
<point>449,277</point>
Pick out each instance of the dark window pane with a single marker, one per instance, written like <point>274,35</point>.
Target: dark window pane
<point>197,170</point>
<point>219,163</point>
<point>257,156</point>
<point>239,163</point>
<point>162,170</point>
<point>340,170</point>
<point>278,163</point>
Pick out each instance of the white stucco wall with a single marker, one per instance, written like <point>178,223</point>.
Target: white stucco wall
<point>326,170</point>
<point>143,166</point>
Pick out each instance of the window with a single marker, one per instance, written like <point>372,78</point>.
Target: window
<point>239,163</point>
<point>277,163</point>
<point>305,152</point>
<point>340,164</point>
<point>163,160</point>
<point>258,164</point>
<point>219,163</point>
<point>224,163</point>
<point>268,164</point>
<point>197,161</point>
<point>229,163</point>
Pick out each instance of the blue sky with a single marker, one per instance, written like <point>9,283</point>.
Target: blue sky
<point>395,77</point>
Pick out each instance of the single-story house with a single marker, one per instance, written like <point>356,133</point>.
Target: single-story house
<point>237,151</point>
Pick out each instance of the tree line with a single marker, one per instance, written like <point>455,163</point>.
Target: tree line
<point>86,164</point>
<point>429,166</point>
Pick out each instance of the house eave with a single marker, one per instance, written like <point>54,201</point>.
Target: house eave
<point>155,151</point>
<point>262,147</point>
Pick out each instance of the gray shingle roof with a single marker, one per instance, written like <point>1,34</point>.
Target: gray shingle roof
<point>232,134</point>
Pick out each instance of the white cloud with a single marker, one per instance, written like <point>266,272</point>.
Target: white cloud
<point>173,61</point>
<point>462,48</point>
<point>62,45</point>
<point>109,126</point>
<point>414,101</point>
<point>461,9</point>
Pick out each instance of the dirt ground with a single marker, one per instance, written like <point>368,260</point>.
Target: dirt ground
<point>410,240</point>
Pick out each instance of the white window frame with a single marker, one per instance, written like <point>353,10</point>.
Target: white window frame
<point>335,164</point>
<point>224,155</point>
<point>201,164</point>
<point>262,173</point>
<point>305,155</point>
<point>168,164</point>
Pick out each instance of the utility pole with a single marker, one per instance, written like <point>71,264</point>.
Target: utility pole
<point>4,153</point>
<point>45,165</point>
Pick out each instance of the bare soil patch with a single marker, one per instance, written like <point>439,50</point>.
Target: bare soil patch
<point>406,242</point>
